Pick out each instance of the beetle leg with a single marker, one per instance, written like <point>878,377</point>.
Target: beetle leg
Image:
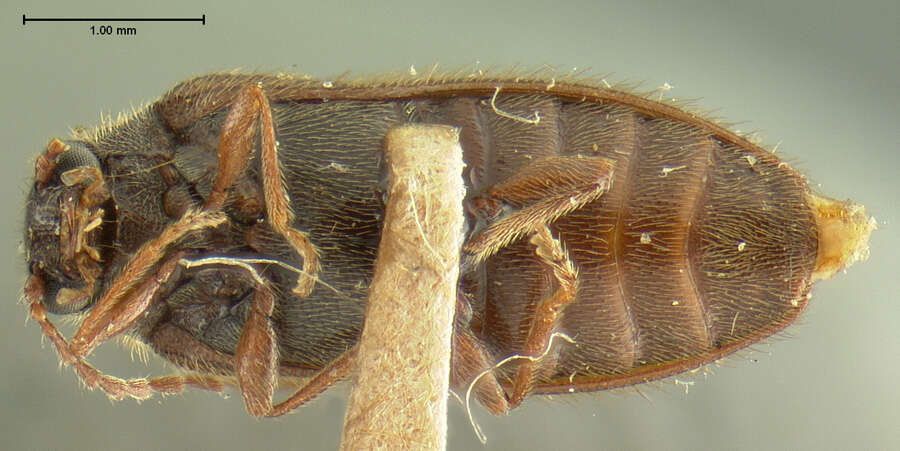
<point>255,360</point>
<point>256,363</point>
<point>176,383</point>
<point>235,145</point>
<point>470,358</point>
<point>333,372</point>
<point>256,357</point>
<point>538,195</point>
<point>525,204</point>
<point>132,290</point>
<point>114,387</point>
<point>551,252</point>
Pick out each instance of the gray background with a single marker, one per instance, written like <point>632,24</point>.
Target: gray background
<point>818,77</point>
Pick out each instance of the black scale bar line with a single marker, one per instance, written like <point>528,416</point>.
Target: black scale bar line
<point>201,19</point>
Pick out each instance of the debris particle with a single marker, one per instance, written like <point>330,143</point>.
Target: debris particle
<point>667,169</point>
<point>734,322</point>
<point>337,167</point>
<point>687,384</point>
<point>534,121</point>
<point>663,88</point>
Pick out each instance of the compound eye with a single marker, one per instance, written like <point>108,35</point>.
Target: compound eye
<point>78,155</point>
<point>64,300</point>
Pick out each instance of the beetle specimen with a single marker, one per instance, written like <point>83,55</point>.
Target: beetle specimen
<point>232,227</point>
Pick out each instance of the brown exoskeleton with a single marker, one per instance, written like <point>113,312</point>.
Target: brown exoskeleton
<point>232,226</point>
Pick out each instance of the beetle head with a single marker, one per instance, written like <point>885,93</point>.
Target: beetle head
<point>67,225</point>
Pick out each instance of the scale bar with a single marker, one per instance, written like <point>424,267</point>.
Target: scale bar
<point>201,19</point>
